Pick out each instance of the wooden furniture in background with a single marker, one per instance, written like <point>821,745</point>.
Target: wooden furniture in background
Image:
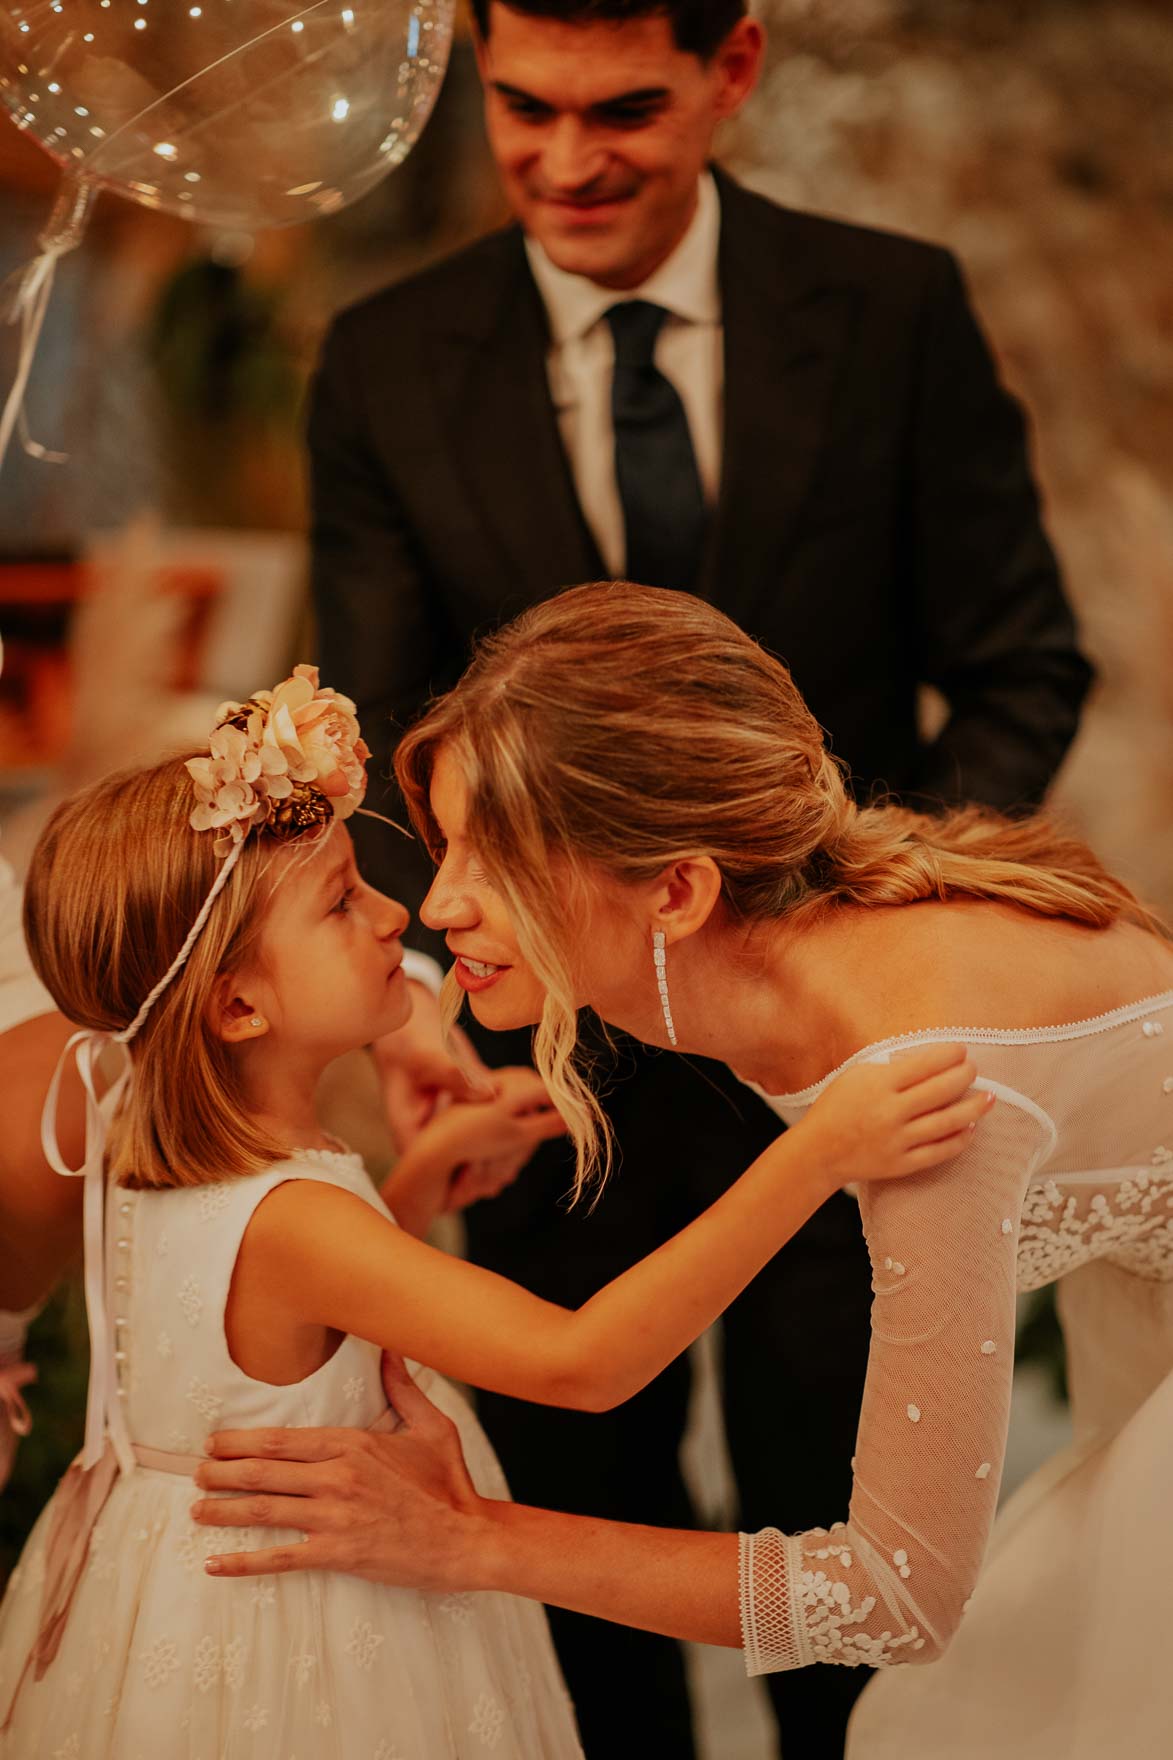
<point>37,598</point>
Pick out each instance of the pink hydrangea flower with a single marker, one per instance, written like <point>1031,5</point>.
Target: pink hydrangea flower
<point>297,734</point>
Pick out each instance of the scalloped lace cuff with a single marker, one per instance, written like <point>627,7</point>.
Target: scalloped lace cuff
<point>771,1615</point>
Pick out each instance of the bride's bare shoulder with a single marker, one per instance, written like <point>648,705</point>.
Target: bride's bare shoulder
<point>984,964</point>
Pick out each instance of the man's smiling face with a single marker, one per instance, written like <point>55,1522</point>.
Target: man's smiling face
<point>601,131</point>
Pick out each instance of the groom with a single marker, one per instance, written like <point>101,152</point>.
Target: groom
<point>657,374</point>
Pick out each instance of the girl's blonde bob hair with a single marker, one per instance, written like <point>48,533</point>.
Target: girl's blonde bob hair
<point>620,728</point>
<point>117,879</point>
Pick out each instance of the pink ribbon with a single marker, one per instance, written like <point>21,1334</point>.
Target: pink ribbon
<point>78,1504</point>
<point>14,1376</point>
<point>80,1498</point>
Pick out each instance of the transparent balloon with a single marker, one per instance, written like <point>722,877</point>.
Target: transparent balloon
<point>237,113</point>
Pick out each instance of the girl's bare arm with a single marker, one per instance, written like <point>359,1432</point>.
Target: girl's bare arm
<point>40,1213</point>
<point>343,1267</point>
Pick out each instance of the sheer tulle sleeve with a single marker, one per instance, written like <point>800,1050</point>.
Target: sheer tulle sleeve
<point>890,1584</point>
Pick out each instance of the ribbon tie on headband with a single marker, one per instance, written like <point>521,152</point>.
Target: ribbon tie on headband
<point>104,1414</point>
<point>290,762</point>
<point>107,1451</point>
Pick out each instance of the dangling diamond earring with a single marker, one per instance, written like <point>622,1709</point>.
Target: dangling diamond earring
<point>661,959</point>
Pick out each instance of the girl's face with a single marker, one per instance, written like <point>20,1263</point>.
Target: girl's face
<point>610,951</point>
<point>329,976</point>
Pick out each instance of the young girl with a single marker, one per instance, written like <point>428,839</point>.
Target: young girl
<point>209,915</point>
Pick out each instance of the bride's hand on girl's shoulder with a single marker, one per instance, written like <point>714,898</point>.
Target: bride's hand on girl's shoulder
<point>885,1120</point>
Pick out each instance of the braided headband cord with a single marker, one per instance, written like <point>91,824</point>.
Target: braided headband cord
<point>181,958</point>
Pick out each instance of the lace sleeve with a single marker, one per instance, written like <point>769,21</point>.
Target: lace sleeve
<point>890,1584</point>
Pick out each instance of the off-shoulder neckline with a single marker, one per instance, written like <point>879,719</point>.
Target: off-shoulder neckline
<point>1095,1023</point>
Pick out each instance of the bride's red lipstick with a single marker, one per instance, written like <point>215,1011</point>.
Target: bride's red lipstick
<point>472,981</point>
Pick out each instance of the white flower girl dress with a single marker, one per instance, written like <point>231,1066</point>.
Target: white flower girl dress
<point>158,1659</point>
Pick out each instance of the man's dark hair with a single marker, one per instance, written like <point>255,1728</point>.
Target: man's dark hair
<point>699,26</point>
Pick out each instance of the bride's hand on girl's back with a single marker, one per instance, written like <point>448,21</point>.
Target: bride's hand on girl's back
<point>885,1120</point>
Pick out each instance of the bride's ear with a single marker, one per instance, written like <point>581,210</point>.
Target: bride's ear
<point>685,897</point>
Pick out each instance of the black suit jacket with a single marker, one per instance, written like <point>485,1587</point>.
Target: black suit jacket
<point>877,526</point>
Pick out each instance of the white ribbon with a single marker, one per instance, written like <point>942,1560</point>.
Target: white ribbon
<point>24,299</point>
<point>104,1414</point>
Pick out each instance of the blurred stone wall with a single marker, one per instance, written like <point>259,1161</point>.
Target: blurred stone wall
<point>1035,137</point>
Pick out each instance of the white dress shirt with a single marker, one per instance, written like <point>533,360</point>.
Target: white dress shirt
<point>689,352</point>
<point>22,995</point>
<point>421,968</point>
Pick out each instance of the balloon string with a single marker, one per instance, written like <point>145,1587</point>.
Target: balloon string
<point>30,297</point>
<point>24,300</point>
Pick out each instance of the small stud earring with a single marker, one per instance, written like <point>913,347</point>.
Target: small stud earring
<point>660,956</point>
<point>256,1021</point>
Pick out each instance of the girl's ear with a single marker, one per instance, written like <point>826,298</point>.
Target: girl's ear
<point>232,1014</point>
<point>685,897</point>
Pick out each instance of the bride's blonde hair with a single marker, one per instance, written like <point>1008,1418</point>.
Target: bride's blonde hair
<point>623,728</point>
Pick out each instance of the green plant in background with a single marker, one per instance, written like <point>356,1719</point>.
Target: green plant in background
<point>230,383</point>
<point>219,351</point>
<point>59,1346</point>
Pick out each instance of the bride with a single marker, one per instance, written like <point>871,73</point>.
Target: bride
<point>631,808</point>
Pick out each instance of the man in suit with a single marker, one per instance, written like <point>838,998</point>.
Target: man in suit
<point>656,373</point>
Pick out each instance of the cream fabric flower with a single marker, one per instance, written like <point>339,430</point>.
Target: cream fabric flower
<point>298,740</point>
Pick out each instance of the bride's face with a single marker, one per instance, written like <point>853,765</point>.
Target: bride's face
<point>464,905</point>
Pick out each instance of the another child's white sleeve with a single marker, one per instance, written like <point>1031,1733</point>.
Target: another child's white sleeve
<point>421,968</point>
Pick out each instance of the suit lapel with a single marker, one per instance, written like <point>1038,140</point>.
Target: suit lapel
<point>504,433</point>
<point>784,334</point>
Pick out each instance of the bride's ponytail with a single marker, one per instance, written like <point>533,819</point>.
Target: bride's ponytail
<point>886,855</point>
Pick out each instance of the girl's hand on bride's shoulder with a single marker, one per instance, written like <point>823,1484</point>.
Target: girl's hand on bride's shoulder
<point>885,1120</point>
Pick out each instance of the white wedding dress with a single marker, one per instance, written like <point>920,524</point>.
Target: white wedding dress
<point>1055,1647</point>
<point>160,1661</point>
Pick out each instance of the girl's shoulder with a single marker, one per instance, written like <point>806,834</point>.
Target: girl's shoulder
<point>334,1166</point>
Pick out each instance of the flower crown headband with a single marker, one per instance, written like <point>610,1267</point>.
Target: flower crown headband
<point>286,764</point>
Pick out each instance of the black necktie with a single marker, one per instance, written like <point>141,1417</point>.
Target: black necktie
<point>659,485</point>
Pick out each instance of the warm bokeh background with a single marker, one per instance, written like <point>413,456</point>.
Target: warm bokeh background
<point>163,567</point>
<point>1032,135</point>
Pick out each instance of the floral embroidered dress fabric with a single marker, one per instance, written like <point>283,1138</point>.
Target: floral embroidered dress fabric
<point>157,1658</point>
<point>1071,1173</point>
